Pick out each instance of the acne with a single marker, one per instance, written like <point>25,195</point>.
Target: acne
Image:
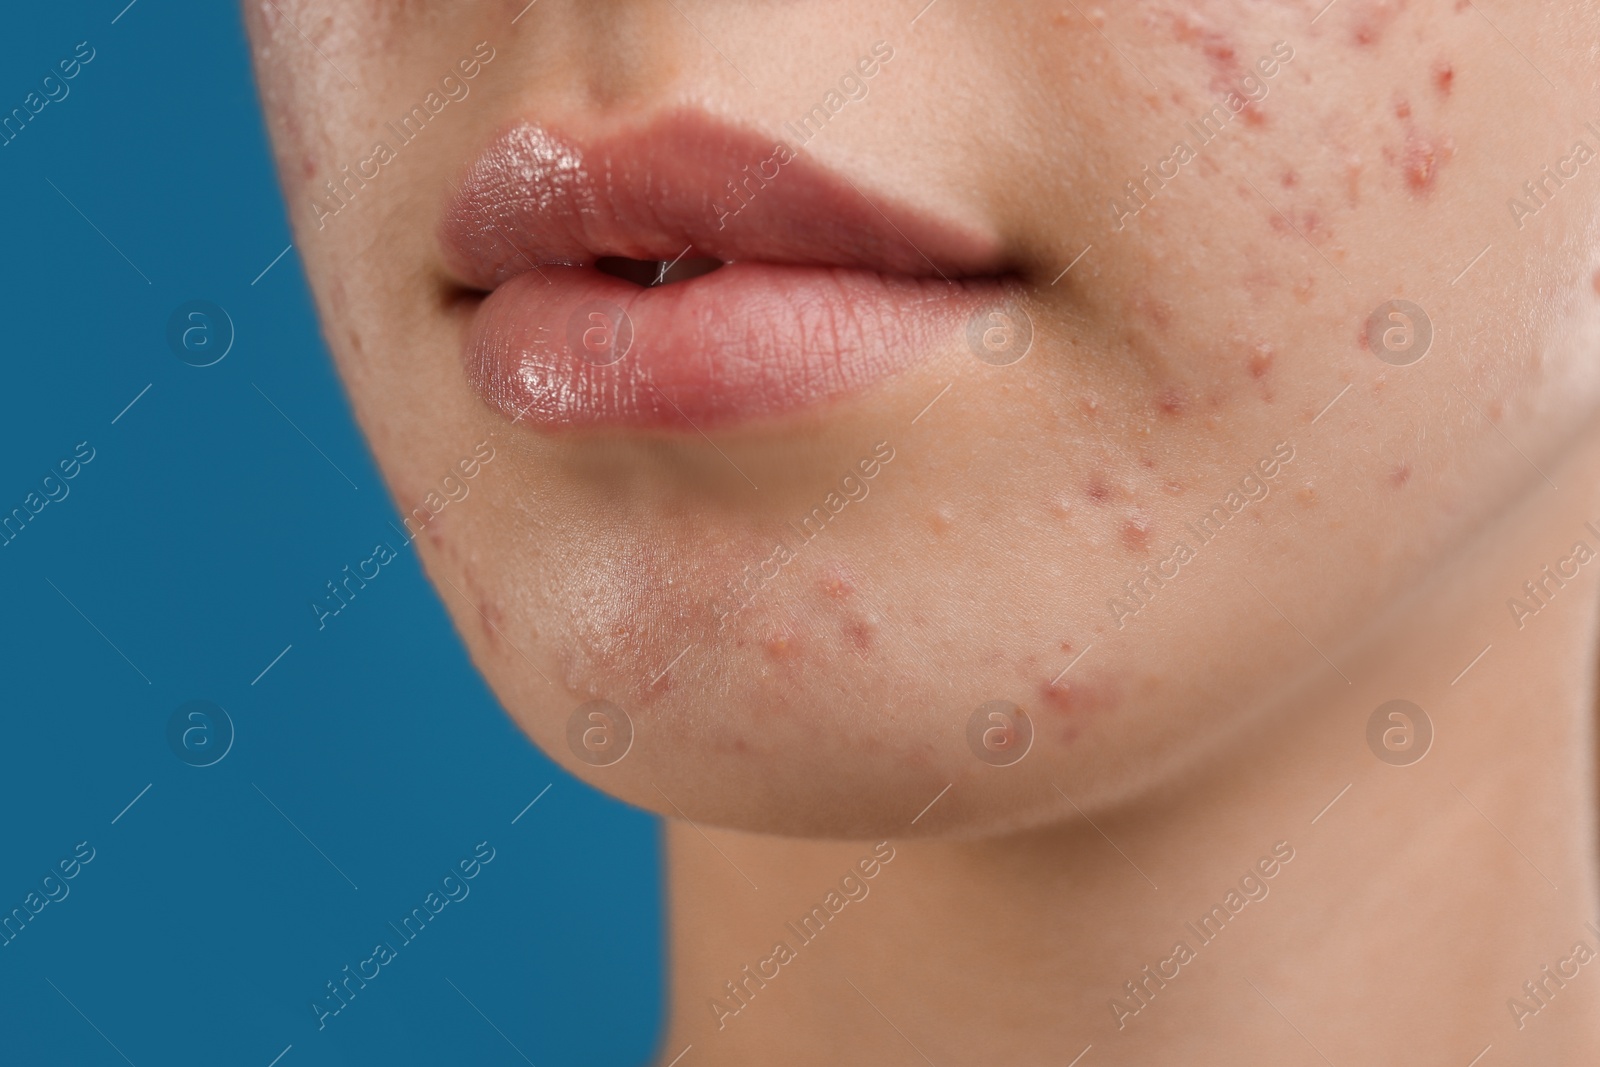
<point>835,584</point>
<point>1259,362</point>
<point>1373,19</point>
<point>1444,79</point>
<point>1136,534</point>
<point>1097,490</point>
<point>860,633</point>
<point>1421,161</point>
<point>1076,698</point>
<point>1595,282</point>
<point>1172,403</point>
<point>1400,475</point>
<point>781,647</point>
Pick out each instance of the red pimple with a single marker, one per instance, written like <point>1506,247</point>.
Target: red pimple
<point>1444,78</point>
<point>1401,475</point>
<point>1172,402</point>
<point>1097,490</point>
<point>1402,109</point>
<point>1260,362</point>
<point>1075,697</point>
<point>1290,179</point>
<point>1595,281</point>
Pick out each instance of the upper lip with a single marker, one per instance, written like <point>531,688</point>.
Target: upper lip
<point>685,185</point>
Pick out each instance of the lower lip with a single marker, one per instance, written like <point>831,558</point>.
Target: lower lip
<point>572,348</point>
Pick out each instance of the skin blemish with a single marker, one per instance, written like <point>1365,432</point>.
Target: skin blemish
<point>1402,108</point>
<point>1400,475</point>
<point>1444,79</point>
<point>1172,403</point>
<point>1098,490</point>
<point>1136,534</point>
<point>1422,161</point>
<point>781,648</point>
<point>1076,698</point>
<point>1352,181</point>
<point>1373,20</point>
<point>1259,362</point>
<point>859,632</point>
<point>1305,496</point>
<point>1595,281</point>
<point>835,584</point>
<point>1175,488</point>
<point>942,519</point>
<point>1290,179</point>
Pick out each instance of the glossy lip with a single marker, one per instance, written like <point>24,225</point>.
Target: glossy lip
<point>824,292</point>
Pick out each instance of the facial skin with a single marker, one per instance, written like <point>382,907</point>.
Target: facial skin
<point>1207,334</point>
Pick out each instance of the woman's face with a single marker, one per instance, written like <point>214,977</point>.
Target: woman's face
<point>1059,398</point>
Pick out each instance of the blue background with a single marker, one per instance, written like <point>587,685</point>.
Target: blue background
<point>183,560</point>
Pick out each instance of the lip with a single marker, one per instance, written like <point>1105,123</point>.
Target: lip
<point>825,290</point>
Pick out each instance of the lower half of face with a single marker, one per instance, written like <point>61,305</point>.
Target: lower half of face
<point>1197,327</point>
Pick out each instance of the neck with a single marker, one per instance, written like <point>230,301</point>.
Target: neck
<point>1449,905</point>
